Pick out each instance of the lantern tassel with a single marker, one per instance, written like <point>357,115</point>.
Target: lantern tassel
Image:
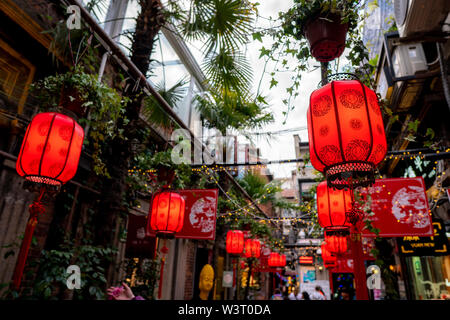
<point>35,209</point>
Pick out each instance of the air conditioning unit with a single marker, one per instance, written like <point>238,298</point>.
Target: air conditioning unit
<point>419,16</point>
<point>407,60</point>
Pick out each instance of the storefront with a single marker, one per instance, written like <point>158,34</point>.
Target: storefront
<point>427,264</point>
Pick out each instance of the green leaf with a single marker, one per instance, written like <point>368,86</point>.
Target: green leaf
<point>264,52</point>
<point>257,36</point>
<point>273,83</point>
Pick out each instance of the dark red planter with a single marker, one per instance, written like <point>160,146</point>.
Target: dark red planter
<point>70,100</point>
<point>326,37</point>
<point>165,175</point>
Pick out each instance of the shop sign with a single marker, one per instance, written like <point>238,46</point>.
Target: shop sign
<point>306,260</point>
<point>400,208</point>
<point>437,245</point>
<point>139,243</point>
<point>227,280</point>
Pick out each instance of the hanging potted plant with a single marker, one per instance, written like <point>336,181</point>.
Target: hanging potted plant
<point>80,92</point>
<point>324,24</point>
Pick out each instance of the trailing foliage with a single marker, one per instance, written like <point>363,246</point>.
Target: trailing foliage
<point>104,105</point>
<point>290,49</point>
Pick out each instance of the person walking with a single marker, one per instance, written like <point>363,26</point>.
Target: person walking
<point>277,295</point>
<point>318,294</point>
<point>303,296</point>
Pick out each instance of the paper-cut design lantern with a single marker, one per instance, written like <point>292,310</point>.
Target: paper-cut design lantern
<point>346,133</point>
<point>167,213</point>
<point>51,149</point>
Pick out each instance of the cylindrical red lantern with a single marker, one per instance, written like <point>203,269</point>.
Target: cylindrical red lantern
<point>328,259</point>
<point>167,213</point>
<point>333,207</point>
<point>252,248</point>
<point>274,258</point>
<point>235,242</point>
<point>277,260</point>
<point>337,243</point>
<point>346,133</point>
<point>51,149</point>
<point>49,155</point>
<point>282,260</point>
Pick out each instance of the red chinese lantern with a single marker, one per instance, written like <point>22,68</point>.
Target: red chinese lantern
<point>274,258</point>
<point>277,260</point>
<point>337,243</point>
<point>167,214</point>
<point>235,242</point>
<point>333,207</point>
<point>252,248</point>
<point>51,149</point>
<point>328,259</point>
<point>346,133</point>
<point>282,260</point>
<point>49,155</point>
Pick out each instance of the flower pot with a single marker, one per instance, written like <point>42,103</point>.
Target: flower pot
<point>326,37</point>
<point>71,100</point>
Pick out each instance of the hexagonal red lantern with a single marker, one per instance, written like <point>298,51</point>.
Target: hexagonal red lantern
<point>336,243</point>
<point>346,133</point>
<point>51,149</point>
<point>252,248</point>
<point>167,214</point>
<point>235,242</point>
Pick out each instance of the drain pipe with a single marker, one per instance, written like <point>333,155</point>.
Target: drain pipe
<point>443,73</point>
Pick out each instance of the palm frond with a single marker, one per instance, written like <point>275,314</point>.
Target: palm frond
<point>228,71</point>
<point>154,112</point>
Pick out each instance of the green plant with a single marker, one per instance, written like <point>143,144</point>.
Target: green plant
<point>172,96</point>
<point>104,104</point>
<point>290,51</point>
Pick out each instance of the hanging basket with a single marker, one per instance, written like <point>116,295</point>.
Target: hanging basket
<point>71,100</point>
<point>326,37</point>
<point>165,175</point>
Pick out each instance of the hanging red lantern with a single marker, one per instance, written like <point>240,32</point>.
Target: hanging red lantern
<point>252,248</point>
<point>235,242</point>
<point>336,243</point>
<point>277,260</point>
<point>346,133</point>
<point>167,214</point>
<point>274,258</point>
<point>51,149</point>
<point>49,155</point>
<point>333,207</point>
<point>282,260</point>
<point>328,259</point>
